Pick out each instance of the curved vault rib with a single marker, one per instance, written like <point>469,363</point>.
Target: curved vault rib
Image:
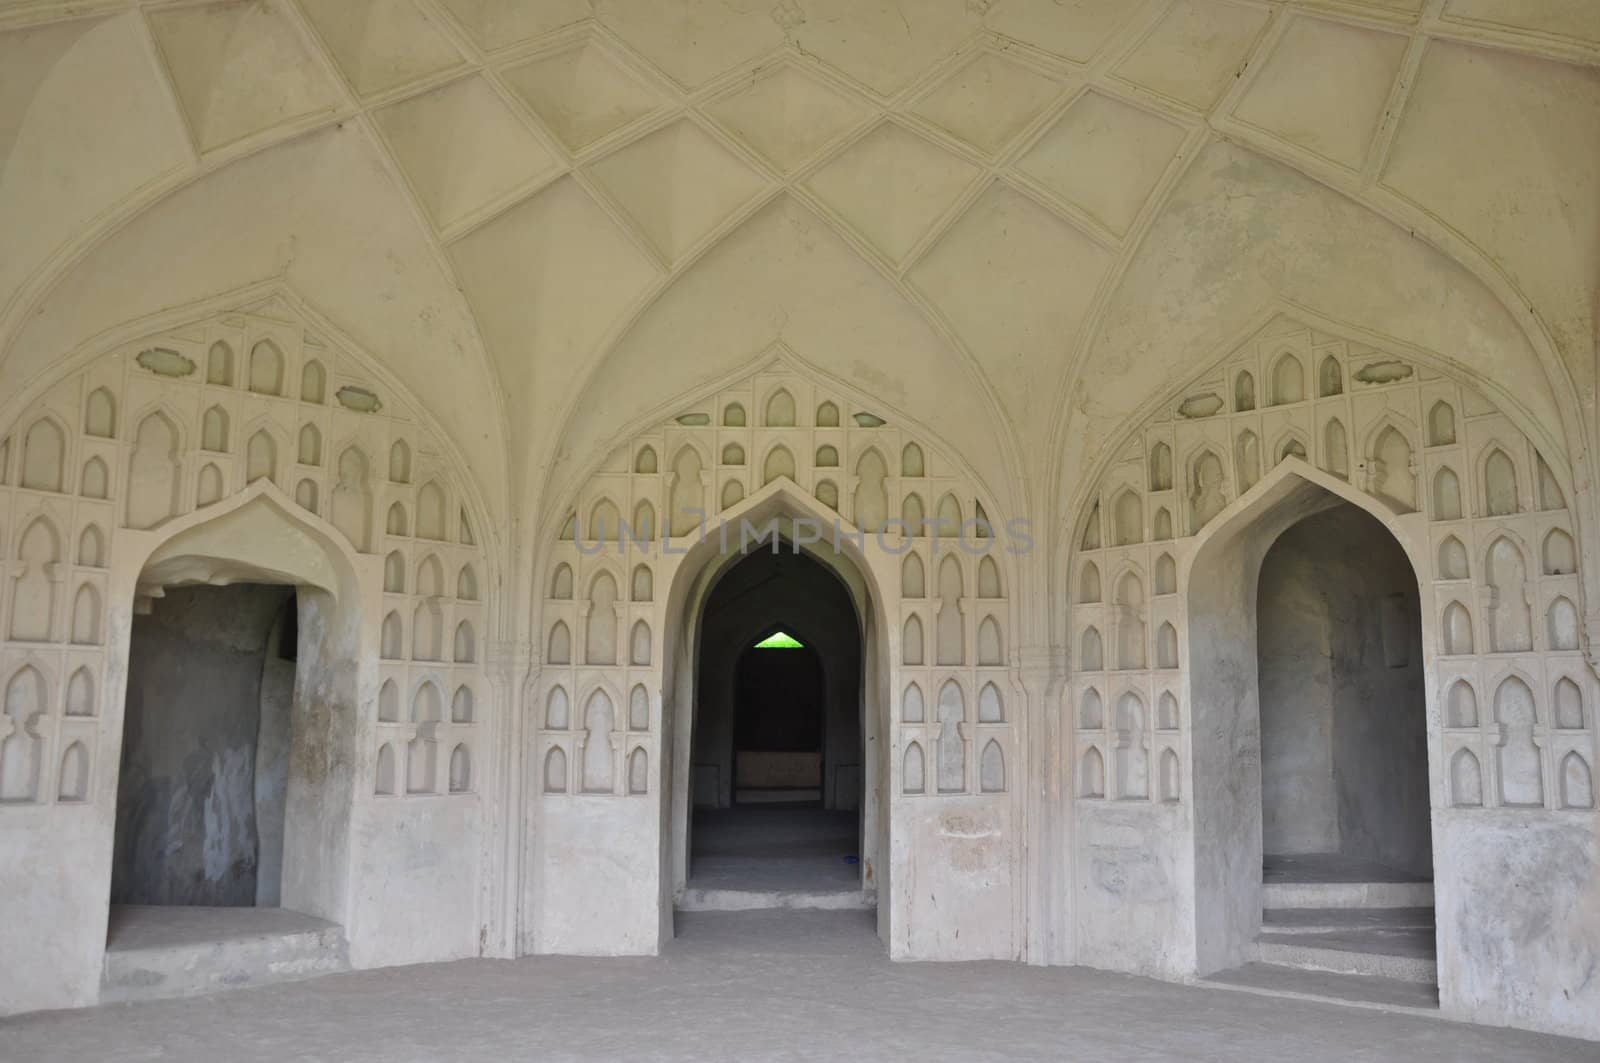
<point>1324,224</point>
<point>738,299</point>
<point>311,213</point>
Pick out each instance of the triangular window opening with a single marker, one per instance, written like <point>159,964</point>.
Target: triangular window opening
<point>779,640</point>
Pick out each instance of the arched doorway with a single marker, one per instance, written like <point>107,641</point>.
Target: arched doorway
<point>776,771</point>
<point>1311,756</point>
<point>831,572</point>
<point>234,788</point>
<point>1346,833</point>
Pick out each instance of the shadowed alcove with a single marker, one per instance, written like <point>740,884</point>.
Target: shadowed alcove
<point>777,764</point>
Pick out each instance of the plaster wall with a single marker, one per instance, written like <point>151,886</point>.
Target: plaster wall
<point>1519,919</point>
<point>1132,908</point>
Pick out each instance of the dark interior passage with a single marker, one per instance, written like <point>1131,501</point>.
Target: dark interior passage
<point>777,768</point>
<point>779,698</point>
<point>202,791</point>
<point>1344,760</point>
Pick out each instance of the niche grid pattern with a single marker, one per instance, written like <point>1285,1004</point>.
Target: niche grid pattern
<point>1516,693</point>
<point>164,426</point>
<point>601,673</point>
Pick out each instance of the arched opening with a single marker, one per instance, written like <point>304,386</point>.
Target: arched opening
<point>1311,773</point>
<point>861,772</point>
<point>776,772</point>
<point>235,784</point>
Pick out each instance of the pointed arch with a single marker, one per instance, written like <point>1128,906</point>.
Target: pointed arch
<point>560,644</point>
<point>219,365</point>
<point>912,708</point>
<point>1330,378</point>
<point>1089,592</point>
<point>1288,380</point>
<point>561,582</point>
<point>153,476</point>
<point>1091,711</point>
<point>310,446</point>
<point>1161,467</point>
<point>871,502</point>
<point>44,456</point>
<point>913,770</point>
<point>313,382</point>
<point>261,458</point>
<point>400,462</point>
<point>100,414</point>
<point>1127,519</point>
<point>911,648</point>
<point>431,512</point>
<point>266,368</point>
<point>1092,774</point>
<point>780,411</point>
<point>639,708</point>
<point>555,771</point>
<point>557,709</point>
<point>912,462</point>
<point>214,430</point>
<point>779,463</point>
<point>992,768</point>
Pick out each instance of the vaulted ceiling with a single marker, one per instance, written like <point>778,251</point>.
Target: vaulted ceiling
<point>1011,220</point>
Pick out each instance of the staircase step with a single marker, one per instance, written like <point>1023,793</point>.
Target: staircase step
<point>1364,991</point>
<point>697,899</point>
<point>1278,895</point>
<point>1406,955</point>
<point>1337,920</point>
<point>178,952</point>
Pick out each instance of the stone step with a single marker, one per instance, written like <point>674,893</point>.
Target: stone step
<point>1405,955</point>
<point>1336,920</point>
<point>1362,991</point>
<point>1279,895</point>
<point>703,899</point>
<point>162,955</point>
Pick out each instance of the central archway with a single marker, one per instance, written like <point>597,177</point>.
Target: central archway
<point>784,527</point>
<point>776,768</point>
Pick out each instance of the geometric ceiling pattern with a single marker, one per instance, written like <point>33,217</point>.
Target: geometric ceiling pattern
<point>996,160</point>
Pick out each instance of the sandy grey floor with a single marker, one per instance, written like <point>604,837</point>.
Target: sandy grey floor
<point>754,986</point>
<point>774,847</point>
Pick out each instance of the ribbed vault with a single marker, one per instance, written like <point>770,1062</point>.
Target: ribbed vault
<point>1032,198</point>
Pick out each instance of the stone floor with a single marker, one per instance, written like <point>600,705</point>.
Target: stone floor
<point>142,926</point>
<point>781,985</point>
<point>773,847</point>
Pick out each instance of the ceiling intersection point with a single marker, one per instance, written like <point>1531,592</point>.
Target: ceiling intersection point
<point>891,185</point>
<point>463,149</point>
<point>241,68</point>
<point>988,100</point>
<point>676,184</point>
<point>381,46</point>
<point>785,114</point>
<point>584,91</point>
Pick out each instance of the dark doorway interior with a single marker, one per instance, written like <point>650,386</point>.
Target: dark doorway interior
<point>777,769</point>
<point>1344,755</point>
<point>202,790</point>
